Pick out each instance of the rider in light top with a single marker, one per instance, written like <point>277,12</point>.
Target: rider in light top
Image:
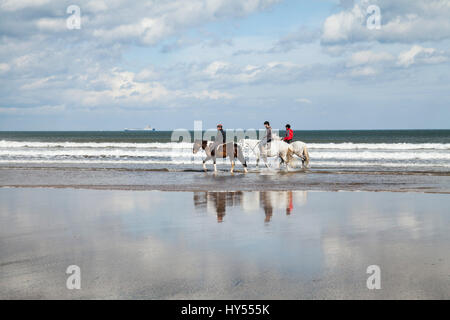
<point>265,141</point>
<point>289,134</point>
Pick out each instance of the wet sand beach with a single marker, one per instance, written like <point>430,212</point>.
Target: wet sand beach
<point>223,245</point>
<point>196,180</point>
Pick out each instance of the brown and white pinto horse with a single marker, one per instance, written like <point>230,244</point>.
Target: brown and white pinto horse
<point>221,151</point>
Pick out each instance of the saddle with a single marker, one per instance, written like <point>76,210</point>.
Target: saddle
<point>223,153</point>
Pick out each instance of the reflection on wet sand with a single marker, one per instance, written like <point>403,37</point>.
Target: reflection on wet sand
<point>250,201</point>
<point>163,245</point>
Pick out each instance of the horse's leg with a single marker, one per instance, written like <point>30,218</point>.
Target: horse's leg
<point>306,156</point>
<point>265,161</point>
<point>286,157</point>
<point>241,157</point>
<point>303,158</point>
<point>289,156</point>
<point>215,166</point>
<point>282,156</point>
<point>263,155</point>
<point>257,155</point>
<point>232,165</point>
<point>204,163</point>
<point>301,155</point>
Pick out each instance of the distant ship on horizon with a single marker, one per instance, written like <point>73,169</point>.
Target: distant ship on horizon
<point>147,128</point>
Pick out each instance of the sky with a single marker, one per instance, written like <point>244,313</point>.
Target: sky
<point>316,64</point>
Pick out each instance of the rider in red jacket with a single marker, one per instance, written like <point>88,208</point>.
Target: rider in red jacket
<point>289,134</point>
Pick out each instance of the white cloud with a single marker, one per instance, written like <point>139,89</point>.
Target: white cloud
<point>290,41</point>
<point>147,74</point>
<point>43,110</point>
<point>363,72</point>
<point>37,84</point>
<point>303,100</point>
<point>113,88</point>
<point>4,67</point>
<point>213,68</point>
<point>369,57</point>
<point>120,87</point>
<point>341,26</point>
<point>141,22</point>
<point>205,94</point>
<point>419,54</point>
<point>401,21</point>
<point>234,74</point>
<point>14,5</point>
<point>51,24</point>
<point>158,20</point>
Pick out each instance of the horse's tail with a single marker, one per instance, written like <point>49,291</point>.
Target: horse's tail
<point>306,156</point>
<point>240,155</point>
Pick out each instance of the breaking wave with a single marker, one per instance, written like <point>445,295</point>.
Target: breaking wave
<point>345,154</point>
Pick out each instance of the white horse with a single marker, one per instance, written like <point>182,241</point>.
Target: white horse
<point>301,151</point>
<point>277,148</point>
<point>298,148</point>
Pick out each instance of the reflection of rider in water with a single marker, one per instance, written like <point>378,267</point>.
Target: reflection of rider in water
<point>265,142</point>
<point>267,206</point>
<point>289,205</point>
<point>221,200</point>
<point>220,139</point>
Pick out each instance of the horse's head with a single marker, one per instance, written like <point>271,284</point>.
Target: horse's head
<point>276,137</point>
<point>199,144</point>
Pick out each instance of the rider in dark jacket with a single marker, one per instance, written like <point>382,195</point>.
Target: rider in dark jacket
<point>221,139</point>
<point>221,135</point>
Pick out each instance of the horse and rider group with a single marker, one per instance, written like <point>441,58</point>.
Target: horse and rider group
<point>269,146</point>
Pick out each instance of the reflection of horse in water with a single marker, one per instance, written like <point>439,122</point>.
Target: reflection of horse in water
<point>217,201</point>
<point>230,149</point>
<point>251,201</point>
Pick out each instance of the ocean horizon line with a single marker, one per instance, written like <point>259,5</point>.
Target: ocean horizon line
<point>170,130</point>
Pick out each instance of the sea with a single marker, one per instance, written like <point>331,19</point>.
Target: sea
<point>393,160</point>
<point>418,150</point>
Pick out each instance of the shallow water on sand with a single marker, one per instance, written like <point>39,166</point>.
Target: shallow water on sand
<point>223,245</point>
<point>197,180</point>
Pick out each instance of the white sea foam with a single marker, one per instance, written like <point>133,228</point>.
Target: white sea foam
<point>94,153</point>
<point>365,155</point>
<point>322,154</point>
<point>379,146</point>
<point>186,145</point>
<point>95,145</point>
<point>317,155</point>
